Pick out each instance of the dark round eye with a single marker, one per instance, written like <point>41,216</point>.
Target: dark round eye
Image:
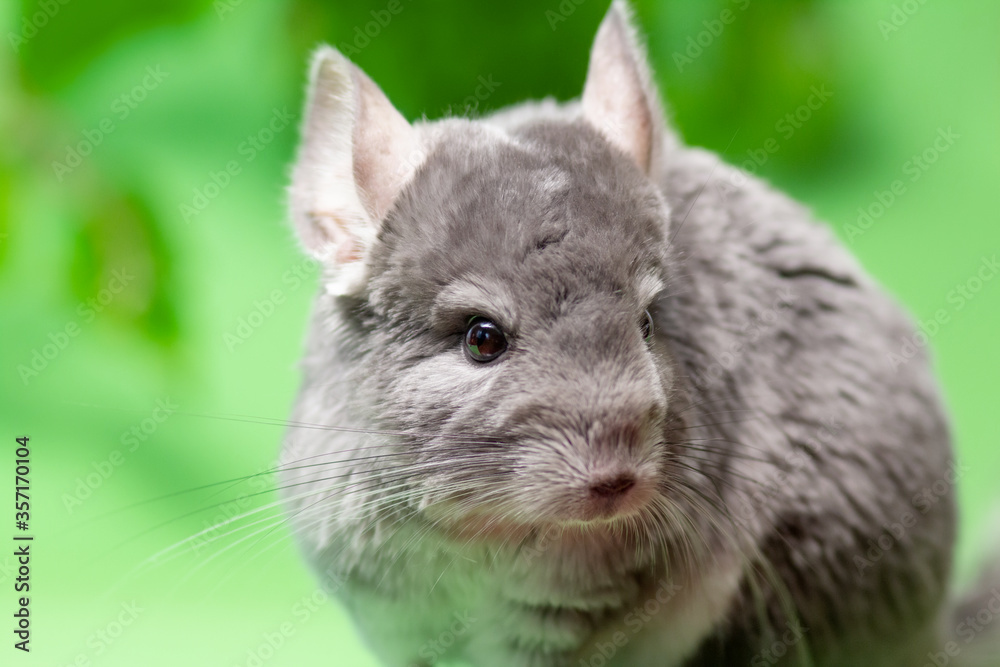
<point>647,326</point>
<point>484,340</point>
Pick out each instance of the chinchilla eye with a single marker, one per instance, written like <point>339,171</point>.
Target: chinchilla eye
<point>647,326</point>
<point>484,340</point>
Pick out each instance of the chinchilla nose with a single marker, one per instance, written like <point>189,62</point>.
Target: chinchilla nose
<point>612,486</point>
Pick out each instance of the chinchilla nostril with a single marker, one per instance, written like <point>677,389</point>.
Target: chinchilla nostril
<point>612,487</point>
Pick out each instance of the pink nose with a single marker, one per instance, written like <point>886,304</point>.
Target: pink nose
<point>613,486</point>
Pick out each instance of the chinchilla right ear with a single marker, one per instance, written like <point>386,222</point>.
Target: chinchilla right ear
<point>620,98</point>
<point>356,154</point>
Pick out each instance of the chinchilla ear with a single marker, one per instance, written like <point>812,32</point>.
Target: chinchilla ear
<point>356,154</point>
<point>620,98</point>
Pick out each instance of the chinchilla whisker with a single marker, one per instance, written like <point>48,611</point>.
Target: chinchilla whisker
<point>379,489</point>
<point>266,530</point>
<point>381,501</point>
<point>482,531</point>
<point>385,495</point>
<point>698,501</point>
<point>722,454</point>
<point>732,450</point>
<point>699,405</point>
<point>659,533</point>
<point>226,522</point>
<point>406,550</point>
<point>353,480</point>
<point>330,466</point>
<point>679,518</point>
<point>192,545</point>
<point>716,424</point>
<point>720,508</point>
<point>232,482</point>
<point>459,454</point>
<point>682,486</point>
<point>231,572</point>
<point>204,487</point>
<point>357,482</point>
<point>341,460</point>
<point>667,533</point>
<point>235,481</point>
<point>701,190</point>
<point>295,517</point>
<point>175,494</point>
<point>231,524</point>
<point>702,547</point>
<point>725,467</point>
<point>729,449</point>
<point>168,522</point>
<point>298,512</point>
<point>158,560</point>
<point>703,473</point>
<point>288,423</point>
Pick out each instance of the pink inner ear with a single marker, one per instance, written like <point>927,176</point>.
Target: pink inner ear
<point>341,244</point>
<point>614,96</point>
<point>383,143</point>
<point>349,250</point>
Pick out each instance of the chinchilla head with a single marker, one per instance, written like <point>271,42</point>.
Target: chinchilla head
<point>489,314</point>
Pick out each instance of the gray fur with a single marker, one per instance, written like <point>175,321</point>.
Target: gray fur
<point>771,438</point>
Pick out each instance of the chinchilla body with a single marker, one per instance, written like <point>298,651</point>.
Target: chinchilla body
<point>577,394</point>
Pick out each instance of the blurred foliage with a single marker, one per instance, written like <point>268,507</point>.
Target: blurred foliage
<point>164,96</point>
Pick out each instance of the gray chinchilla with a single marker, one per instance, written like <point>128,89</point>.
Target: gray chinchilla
<point>578,394</point>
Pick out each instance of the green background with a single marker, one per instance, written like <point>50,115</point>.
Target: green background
<point>229,66</point>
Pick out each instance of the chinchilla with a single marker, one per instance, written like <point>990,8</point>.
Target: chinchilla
<point>578,394</point>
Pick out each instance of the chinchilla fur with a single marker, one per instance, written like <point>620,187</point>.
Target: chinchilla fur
<point>744,482</point>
